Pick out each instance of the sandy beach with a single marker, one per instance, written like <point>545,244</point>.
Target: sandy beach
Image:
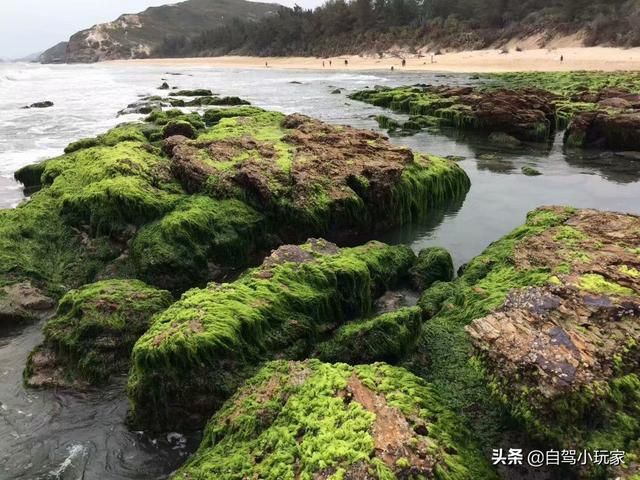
<point>481,61</point>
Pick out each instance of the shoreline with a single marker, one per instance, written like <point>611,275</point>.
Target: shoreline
<point>476,61</point>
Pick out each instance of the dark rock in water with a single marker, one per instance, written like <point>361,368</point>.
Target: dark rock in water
<point>21,302</point>
<point>143,107</point>
<point>336,91</point>
<point>45,104</point>
<point>390,301</point>
<point>295,82</point>
<point>455,158</point>
<point>164,86</point>
<point>198,92</point>
<point>611,130</point>
<point>530,171</point>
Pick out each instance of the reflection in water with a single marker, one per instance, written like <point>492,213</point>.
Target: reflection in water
<point>614,168</point>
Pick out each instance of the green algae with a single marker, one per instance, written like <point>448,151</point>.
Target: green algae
<point>434,264</point>
<point>96,326</point>
<point>387,337</point>
<point>445,356</point>
<point>131,132</point>
<point>596,283</point>
<point>175,251</point>
<point>221,333</point>
<point>291,421</point>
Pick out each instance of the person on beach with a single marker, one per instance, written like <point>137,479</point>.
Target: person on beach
<point>266,64</point>
<point>346,62</point>
<point>329,62</point>
<point>561,58</point>
<point>392,68</point>
<point>323,64</point>
<point>404,62</point>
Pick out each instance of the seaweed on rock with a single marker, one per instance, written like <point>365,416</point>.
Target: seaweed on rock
<point>316,420</point>
<point>92,334</point>
<point>198,352</point>
<point>553,318</point>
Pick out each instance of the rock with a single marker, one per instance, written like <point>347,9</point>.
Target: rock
<point>387,337</point>
<point>92,334</point>
<point>527,114</point>
<point>21,302</point>
<point>562,346</point>
<point>274,311</point>
<point>143,107</point>
<point>164,86</point>
<point>500,138</point>
<point>614,102</point>
<point>434,264</point>
<point>198,92</point>
<point>530,171</point>
<point>615,131</point>
<point>178,128</point>
<point>337,91</point>
<point>326,177</point>
<point>311,419</point>
<point>45,104</point>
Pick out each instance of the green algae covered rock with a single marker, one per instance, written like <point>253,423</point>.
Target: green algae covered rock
<point>194,242</point>
<point>311,178</point>
<point>434,265</point>
<point>198,352</point>
<point>543,325</point>
<point>92,334</point>
<point>527,114</point>
<point>387,337</point>
<point>314,420</point>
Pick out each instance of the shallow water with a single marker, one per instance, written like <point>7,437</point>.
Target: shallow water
<point>61,435</point>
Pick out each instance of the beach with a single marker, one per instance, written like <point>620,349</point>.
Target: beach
<point>481,61</point>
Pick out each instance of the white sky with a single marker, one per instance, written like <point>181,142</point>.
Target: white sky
<point>29,26</point>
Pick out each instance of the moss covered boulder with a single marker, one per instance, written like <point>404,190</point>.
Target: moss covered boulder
<point>316,420</point>
<point>536,342</point>
<point>526,114</point>
<point>434,265</point>
<point>310,177</point>
<point>92,334</point>
<point>387,337</point>
<point>613,130</point>
<point>563,350</point>
<point>198,352</point>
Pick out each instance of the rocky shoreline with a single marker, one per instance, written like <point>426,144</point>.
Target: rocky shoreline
<point>201,255</point>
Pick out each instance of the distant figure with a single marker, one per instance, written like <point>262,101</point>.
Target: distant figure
<point>323,64</point>
<point>329,62</point>
<point>404,62</point>
<point>561,58</point>
<point>346,62</point>
<point>266,64</point>
<point>392,68</point>
<point>431,58</point>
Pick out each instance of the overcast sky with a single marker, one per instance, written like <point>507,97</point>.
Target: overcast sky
<point>29,26</point>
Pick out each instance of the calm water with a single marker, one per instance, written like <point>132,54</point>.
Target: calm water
<point>62,435</point>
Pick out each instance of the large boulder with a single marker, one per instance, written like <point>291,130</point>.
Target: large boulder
<point>316,420</point>
<point>92,334</point>
<point>434,265</point>
<point>562,347</point>
<point>202,348</point>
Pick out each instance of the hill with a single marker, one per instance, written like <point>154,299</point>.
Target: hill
<point>137,35</point>
<point>342,27</point>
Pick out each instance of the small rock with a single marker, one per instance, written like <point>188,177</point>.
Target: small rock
<point>164,86</point>
<point>45,104</point>
<point>501,138</point>
<point>530,171</point>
